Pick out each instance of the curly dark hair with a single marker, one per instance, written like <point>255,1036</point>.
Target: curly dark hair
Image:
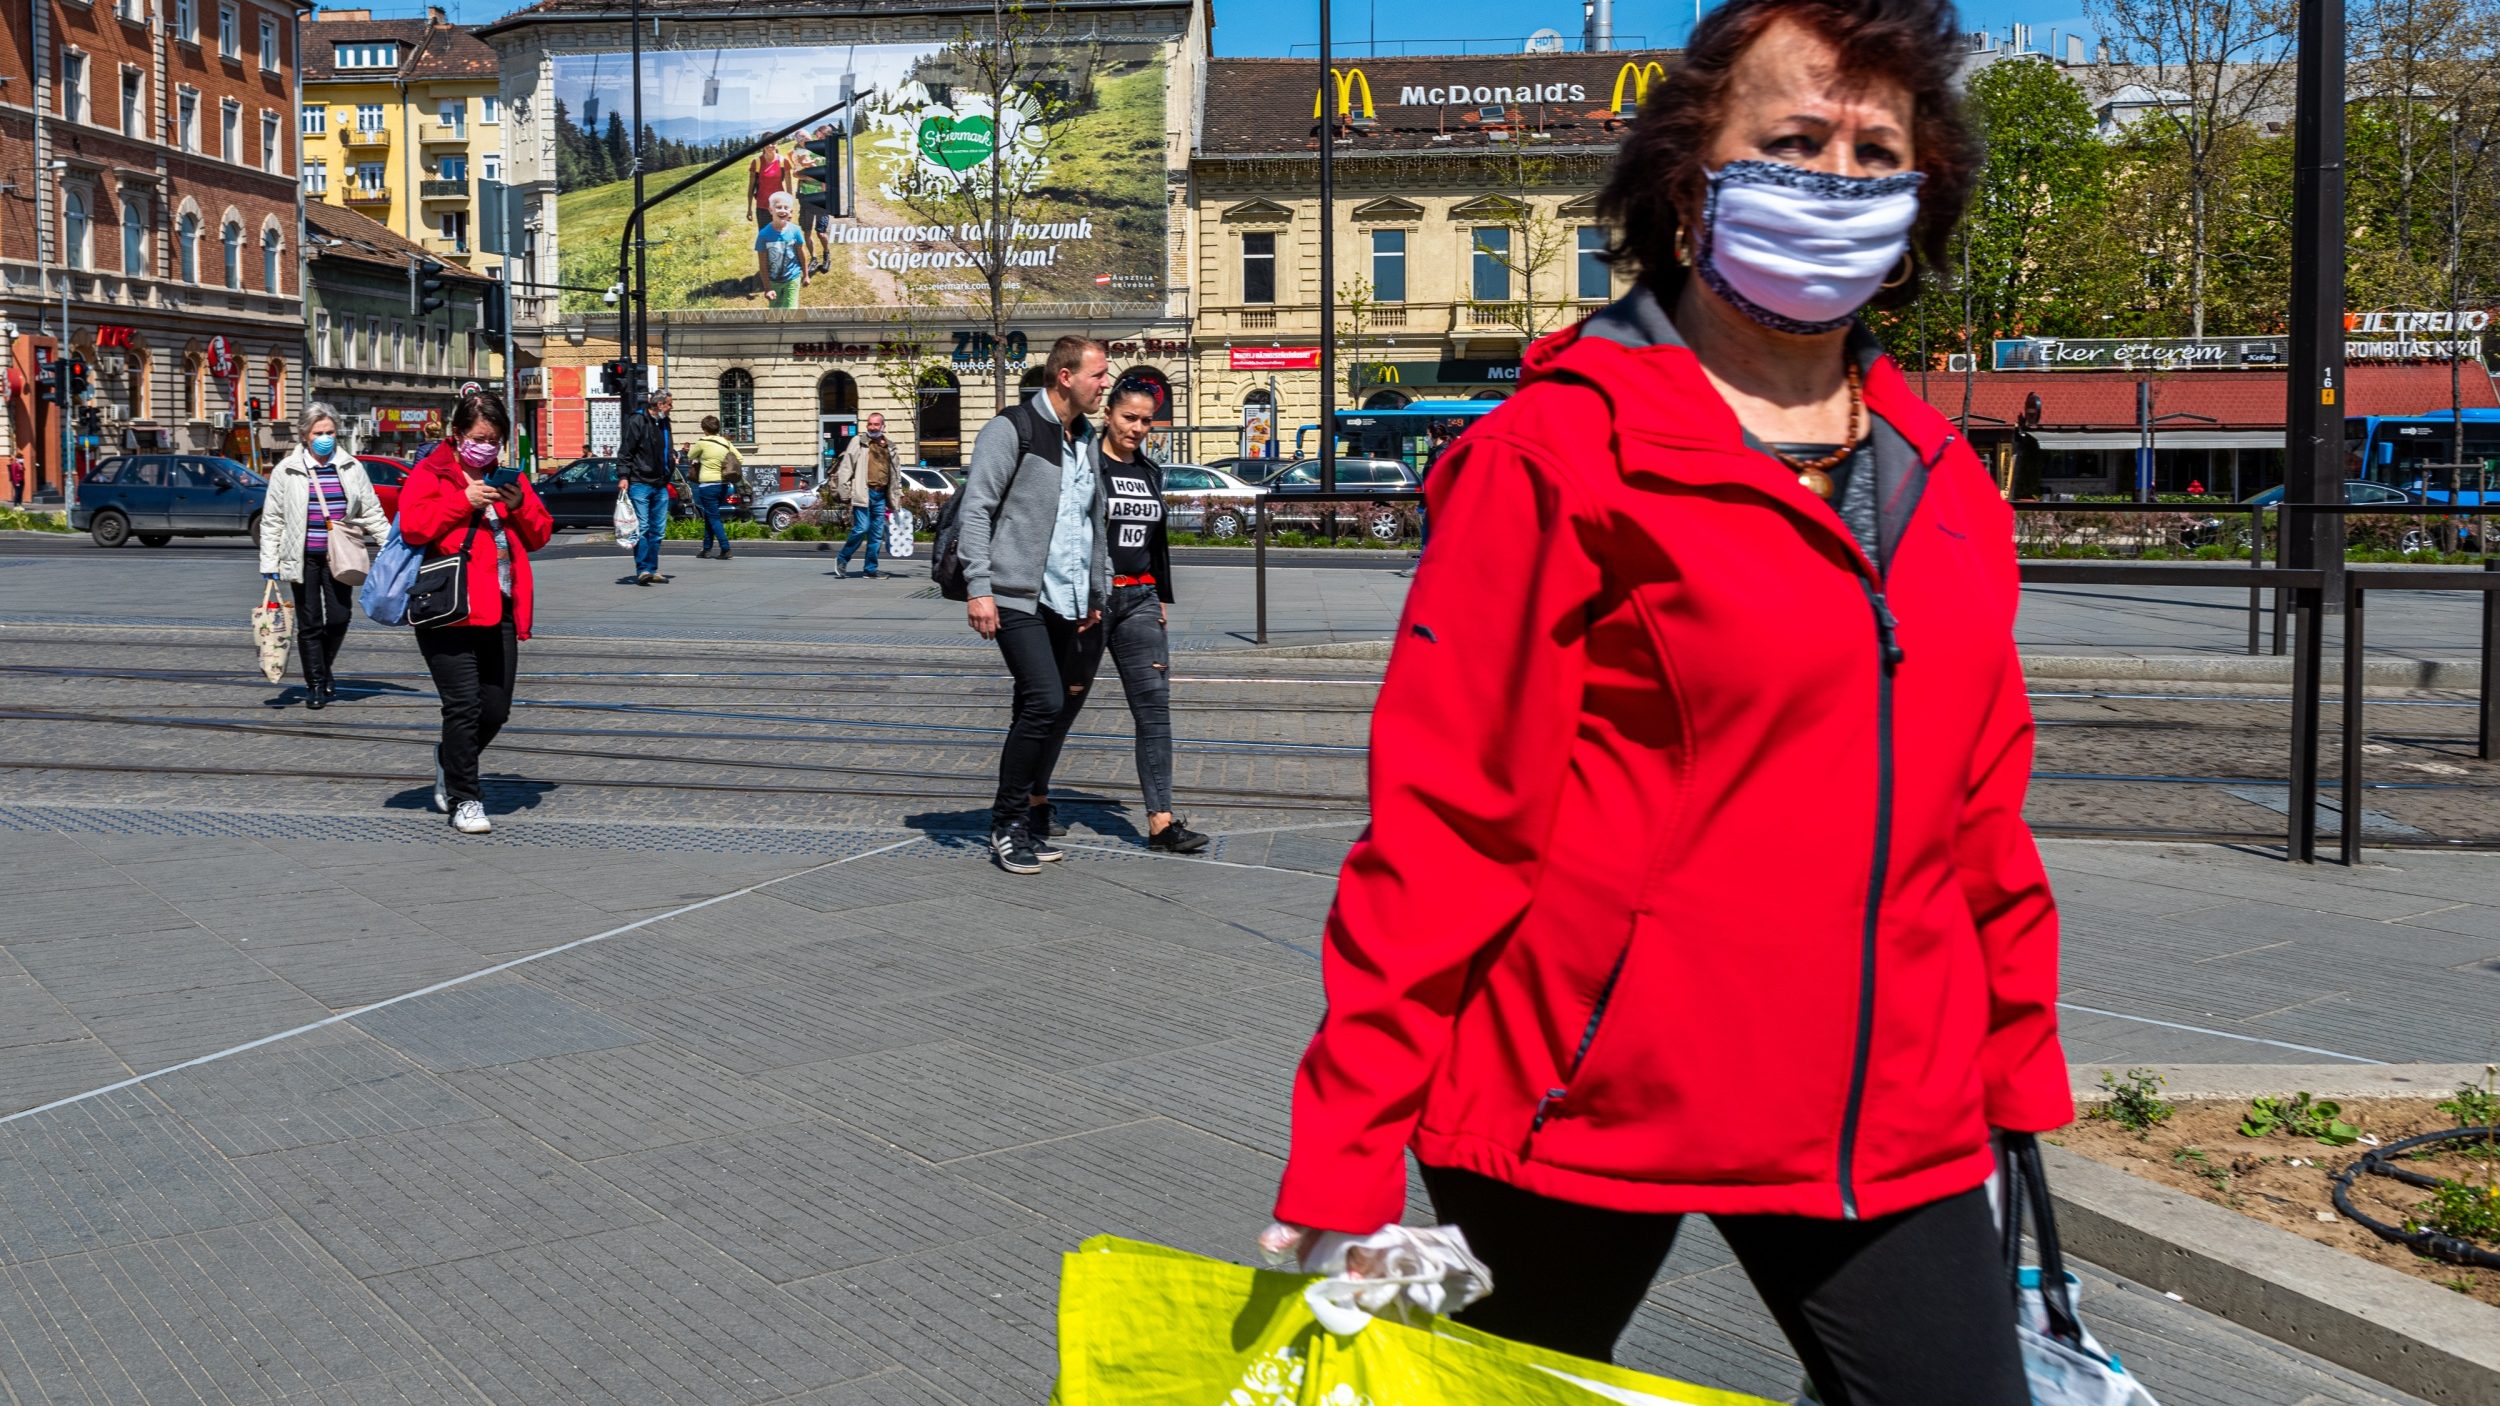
<point>1659,173</point>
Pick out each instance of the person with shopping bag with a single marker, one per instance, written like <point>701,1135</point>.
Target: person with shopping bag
<point>1697,879</point>
<point>472,601</point>
<point>716,467</point>
<point>320,499</point>
<point>862,480</point>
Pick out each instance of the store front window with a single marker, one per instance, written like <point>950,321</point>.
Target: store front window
<point>938,419</point>
<point>737,406</point>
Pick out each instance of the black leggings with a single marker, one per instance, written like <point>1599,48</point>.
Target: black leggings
<point>1904,1310</point>
<point>323,606</point>
<point>474,668</point>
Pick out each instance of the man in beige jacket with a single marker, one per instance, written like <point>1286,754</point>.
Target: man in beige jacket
<point>861,481</point>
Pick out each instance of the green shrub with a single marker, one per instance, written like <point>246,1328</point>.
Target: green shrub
<point>11,520</point>
<point>2136,1103</point>
<point>803,532</point>
<point>2298,1116</point>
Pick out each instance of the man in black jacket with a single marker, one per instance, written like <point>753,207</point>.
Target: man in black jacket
<point>645,454</point>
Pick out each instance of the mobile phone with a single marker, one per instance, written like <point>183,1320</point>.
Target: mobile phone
<point>504,477</point>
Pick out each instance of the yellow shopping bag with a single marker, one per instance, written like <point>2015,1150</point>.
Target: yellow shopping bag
<point>1141,1325</point>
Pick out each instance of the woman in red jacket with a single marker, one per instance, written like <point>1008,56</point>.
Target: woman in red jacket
<point>1697,878</point>
<point>447,506</point>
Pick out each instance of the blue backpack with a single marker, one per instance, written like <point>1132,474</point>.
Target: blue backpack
<point>384,595</point>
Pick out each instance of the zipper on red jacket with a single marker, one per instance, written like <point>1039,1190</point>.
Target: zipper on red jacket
<point>1588,1037</point>
<point>1888,646</point>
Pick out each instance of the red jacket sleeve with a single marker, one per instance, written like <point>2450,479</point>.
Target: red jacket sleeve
<point>430,508</point>
<point>2022,1063</point>
<point>1471,737</point>
<point>532,519</point>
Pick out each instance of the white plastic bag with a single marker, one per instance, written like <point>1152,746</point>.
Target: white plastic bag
<point>1422,1272</point>
<point>2064,1363</point>
<point>628,523</point>
<point>899,527</point>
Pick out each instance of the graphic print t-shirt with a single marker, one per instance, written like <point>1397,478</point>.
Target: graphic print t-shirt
<point>783,251</point>
<point>1136,516</point>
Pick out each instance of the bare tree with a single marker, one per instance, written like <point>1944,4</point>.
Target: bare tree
<point>1357,312</point>
<point>906,356</point>
<point>2211,66</point>
<point>1536,250</point>
<point>1010,97</point>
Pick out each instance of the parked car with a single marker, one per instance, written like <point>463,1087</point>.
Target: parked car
<point>387,475</point>
<point>158,497</point>
<point>778,511</point>
<point>1250,471</point>
<point>1383,521</point>
<point>1202,499</point>
<point>2206,531</point>
<point>583,494</point>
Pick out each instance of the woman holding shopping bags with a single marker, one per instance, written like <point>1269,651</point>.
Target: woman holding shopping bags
<point>1697,879</point>
<point>450,508</point>
<point>318,493</point>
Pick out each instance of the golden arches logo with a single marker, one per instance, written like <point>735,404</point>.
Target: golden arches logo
<point>1639,75</point>
<point>1384,373</point>
<point>1346,78</point>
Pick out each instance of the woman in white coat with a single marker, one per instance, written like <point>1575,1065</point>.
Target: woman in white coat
<point>315,491</point>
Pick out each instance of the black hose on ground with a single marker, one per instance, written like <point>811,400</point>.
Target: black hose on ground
<point>2424,1241</point>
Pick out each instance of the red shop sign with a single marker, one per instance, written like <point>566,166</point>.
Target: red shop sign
<point>1275,358</point>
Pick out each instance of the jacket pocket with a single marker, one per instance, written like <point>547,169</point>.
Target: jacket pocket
<point>1556,1097</point>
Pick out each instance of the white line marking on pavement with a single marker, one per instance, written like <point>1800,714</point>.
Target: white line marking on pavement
<point>446,985</point>
<point>2223,1034</point>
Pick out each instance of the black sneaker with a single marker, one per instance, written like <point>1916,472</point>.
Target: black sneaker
<point>1176,838</point>
<point>704,555</point>
<point>1043,849</point>
<point>1013,851</point>
<point>1042,818</point>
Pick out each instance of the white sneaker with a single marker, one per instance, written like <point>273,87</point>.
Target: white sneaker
<point>470,819</point>
<point>442,798</point>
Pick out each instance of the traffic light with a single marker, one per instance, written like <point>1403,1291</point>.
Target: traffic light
<point>90,421</point>
<point>251,410</point>
<point>615,376</point>
<point>74,387</point>
<point>495,313</point>
<point>820,184</point>
<point>425,287</point>
<point>48,383</point>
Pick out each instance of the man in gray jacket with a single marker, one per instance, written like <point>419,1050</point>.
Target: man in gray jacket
<point>1037,565</point>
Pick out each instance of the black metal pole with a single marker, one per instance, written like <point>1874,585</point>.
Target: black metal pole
<point>642,271</point>
<point>2314,414</point>
<point>1258,562</point>
<point>1327,260</point>
<point>2489,730</point>
<point>2307,656</point>
<point>2353,681</point>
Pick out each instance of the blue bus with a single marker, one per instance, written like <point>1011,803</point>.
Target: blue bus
<point>2397,450</point>
<point>1404,433</point>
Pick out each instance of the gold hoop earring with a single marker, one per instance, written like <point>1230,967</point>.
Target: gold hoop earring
<point>1683,248</point>
<point>1908,267</point>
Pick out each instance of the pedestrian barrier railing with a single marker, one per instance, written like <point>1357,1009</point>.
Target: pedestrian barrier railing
<point>1264,523</point>
<point>2359,581</point>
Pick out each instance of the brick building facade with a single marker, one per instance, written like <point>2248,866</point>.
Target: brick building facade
<point>151,152</point>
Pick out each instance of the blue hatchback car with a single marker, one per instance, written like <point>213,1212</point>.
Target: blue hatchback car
<point>158,497</point>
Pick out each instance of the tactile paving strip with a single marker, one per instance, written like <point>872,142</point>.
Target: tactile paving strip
<point>795,841</point>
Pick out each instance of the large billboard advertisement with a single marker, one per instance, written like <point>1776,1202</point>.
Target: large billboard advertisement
<point>1075,147</point>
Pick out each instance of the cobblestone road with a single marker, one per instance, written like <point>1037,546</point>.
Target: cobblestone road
<point>725,1071</point>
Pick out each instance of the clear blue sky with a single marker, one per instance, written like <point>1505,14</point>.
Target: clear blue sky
<point>1255,27</point>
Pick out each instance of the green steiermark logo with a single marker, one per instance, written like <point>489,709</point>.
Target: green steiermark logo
<point>957,145</point>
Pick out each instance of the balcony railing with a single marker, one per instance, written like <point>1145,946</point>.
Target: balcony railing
<point>446,131</point>
<point>440,189</point>
<point>359,136</point>
<point>1511,315</point>
<point>359,195</point>
<point>1255,319</point>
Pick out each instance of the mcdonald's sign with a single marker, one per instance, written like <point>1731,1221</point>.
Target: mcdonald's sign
<point>1638,75</point>
<point>1347,79</point>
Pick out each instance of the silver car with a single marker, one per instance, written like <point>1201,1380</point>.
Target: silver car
<point>777,511</point>
<point>1208,501</point>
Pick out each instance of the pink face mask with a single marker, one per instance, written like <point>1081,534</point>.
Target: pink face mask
<point>478,453</point>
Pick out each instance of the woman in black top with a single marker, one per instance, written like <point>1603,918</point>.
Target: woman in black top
<point>1133,622</point>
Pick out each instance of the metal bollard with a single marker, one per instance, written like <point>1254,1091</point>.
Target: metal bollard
<point>1258,560</point>
<point>2355,666</point>
<point>2491,663</point>
<point>2308,602</point>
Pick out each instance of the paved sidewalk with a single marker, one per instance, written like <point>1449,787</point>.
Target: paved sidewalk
<point>821,1139</point>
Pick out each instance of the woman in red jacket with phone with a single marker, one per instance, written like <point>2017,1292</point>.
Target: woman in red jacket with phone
<point>456,499</point>
<point>1697,878</point>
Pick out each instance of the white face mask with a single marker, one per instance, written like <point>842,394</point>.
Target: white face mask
<point>1802,251</point>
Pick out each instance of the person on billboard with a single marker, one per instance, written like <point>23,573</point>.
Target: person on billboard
<point>768,175</point>
<point>816,224</point>
<point>781,252</point>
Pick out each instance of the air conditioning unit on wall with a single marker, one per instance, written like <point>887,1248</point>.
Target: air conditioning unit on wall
<point>222,419</point>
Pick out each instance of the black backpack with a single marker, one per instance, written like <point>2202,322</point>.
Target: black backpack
<point>946,563</point>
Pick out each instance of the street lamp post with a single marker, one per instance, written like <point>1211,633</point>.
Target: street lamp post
<point>60,349</point>
<point>1327,261</point>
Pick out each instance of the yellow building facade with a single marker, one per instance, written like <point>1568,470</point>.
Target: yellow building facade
<point>1465,226</point>
<point>401,121</point>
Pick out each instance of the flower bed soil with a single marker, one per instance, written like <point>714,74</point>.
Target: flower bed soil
<point>2285,1181</point>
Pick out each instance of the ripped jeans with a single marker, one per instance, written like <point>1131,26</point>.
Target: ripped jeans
<point>1132,629</point>
<point>1050,660</point>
